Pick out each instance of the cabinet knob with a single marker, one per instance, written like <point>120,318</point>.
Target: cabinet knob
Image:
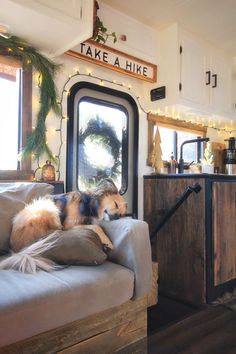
<point>208,77</point>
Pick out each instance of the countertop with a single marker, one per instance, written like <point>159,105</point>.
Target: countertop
<point>217,176</point>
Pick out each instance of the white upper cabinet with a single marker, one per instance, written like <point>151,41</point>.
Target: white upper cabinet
<point>205,75</point>
<point>53,26</point>
<point>197,76</point>
<point>193,68</point>
<point>221,83</point>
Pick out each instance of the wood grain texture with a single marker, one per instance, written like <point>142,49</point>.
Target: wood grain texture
<point>111,340</point>
<point>117,327</point>
<point>180,244</point>
<point>210,331</point>
<point>224,231</point>
<point>152,296</point>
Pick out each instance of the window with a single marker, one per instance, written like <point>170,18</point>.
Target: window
<point>15,118</point>
<point>9,127</point>
<point>102,144</point>
<point>172,134</point>
<point>102,140</point>
<point>171,141</point>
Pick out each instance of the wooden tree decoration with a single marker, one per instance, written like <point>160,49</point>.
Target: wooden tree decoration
<point>156,158</point>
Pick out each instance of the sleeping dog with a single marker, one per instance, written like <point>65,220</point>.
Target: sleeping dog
<point>62,212</point>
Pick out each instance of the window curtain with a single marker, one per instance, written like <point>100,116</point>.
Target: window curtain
<point>9,67</point>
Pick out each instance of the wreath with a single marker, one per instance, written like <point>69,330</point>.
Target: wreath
<point>16,47</point>
<point>105,135</point>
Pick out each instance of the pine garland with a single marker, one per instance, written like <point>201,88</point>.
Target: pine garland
<point>16,47</point>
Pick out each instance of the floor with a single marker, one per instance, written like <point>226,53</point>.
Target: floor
<point>177,328</point>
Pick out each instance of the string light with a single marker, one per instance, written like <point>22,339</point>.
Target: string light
<point>101,82</point>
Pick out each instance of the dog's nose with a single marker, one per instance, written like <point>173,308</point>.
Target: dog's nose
<point>116,216</point>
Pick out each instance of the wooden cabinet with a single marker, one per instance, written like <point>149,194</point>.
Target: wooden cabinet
<point>224,231</point>
<point>196,248</point>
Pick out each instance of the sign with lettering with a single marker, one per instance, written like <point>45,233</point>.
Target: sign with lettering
<point>114,59</point>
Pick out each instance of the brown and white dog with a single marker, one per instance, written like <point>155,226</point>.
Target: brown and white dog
<point>62,212</point>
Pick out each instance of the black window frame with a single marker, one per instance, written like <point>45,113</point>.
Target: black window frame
<point>70,132</point>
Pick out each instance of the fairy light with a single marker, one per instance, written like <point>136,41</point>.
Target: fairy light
<point>101,82</point>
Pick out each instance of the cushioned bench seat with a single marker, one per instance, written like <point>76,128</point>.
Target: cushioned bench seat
<point>35,303</point>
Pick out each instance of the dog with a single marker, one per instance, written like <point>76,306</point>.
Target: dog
<point>62,212</point>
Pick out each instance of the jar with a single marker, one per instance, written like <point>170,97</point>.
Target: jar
<point>172,164</point>
<point>48,172</point>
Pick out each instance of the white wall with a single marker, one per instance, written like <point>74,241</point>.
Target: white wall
<point>143,46</point>
<point>142,42</point>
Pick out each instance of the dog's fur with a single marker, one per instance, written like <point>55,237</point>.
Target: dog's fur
<point>45,215</point>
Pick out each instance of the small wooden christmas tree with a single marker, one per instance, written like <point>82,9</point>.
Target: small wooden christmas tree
<point>156,159</point>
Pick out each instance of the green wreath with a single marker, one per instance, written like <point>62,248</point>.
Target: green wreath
<point>105,135</point>
<point>16,47</point>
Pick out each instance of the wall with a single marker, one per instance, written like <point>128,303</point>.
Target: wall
<point>140,46</point>
<point>142,42</point>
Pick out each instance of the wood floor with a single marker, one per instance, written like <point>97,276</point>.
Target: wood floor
<point>211,330</point>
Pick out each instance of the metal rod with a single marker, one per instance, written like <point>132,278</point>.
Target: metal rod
<point>195,188</point>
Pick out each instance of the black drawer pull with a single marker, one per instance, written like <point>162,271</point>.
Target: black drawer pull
<point>214,76</point>
<point>208,77</point>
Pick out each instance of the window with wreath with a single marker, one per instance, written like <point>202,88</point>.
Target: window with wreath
<point>102,144</point>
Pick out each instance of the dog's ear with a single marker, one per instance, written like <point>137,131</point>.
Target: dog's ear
<point>106,185</point>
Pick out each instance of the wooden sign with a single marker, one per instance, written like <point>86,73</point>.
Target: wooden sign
<point>115,60</point>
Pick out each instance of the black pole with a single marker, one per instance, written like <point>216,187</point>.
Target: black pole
<point>195,188</point>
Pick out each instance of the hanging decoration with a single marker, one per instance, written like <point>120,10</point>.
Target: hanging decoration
<point>100,33</point>
<point>15,47</point>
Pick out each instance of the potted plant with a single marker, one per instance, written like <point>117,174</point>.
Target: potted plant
<point>208,160</point>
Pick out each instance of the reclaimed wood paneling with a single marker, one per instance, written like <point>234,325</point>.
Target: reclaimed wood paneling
<point>114,325</point>
<point>180,244</point>
<point>224,231</point>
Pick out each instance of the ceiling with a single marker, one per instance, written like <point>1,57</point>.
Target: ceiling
<point>212,20</point>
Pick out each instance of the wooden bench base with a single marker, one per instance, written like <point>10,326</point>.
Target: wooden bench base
<point>105,332</point>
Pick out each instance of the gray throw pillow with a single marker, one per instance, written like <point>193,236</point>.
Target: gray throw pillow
<point>76,246</point>
<point>13,197</point>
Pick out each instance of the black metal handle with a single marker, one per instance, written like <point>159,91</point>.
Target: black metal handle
<point>208,77</point>
<point>195,188</point>
<point>214,76</point>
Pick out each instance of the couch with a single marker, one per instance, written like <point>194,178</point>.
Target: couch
<point>77,309</point>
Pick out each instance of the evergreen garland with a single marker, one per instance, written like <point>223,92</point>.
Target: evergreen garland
<point>18,48</point>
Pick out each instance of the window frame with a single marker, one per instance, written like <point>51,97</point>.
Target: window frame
<point>70,133</point>
<point>23,171</point>
<point>174,124</point>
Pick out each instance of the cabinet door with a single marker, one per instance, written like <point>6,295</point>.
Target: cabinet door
<point>221,84</point>
<point>180,244</point>
<point>193,67</point>
<point>224,231</point>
